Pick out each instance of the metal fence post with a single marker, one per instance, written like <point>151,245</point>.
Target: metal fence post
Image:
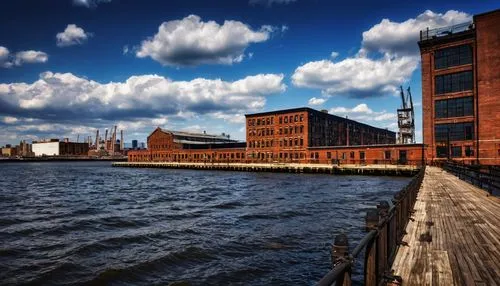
<point>382,246</point>
<point>371,221</point>
<point>340,251</point>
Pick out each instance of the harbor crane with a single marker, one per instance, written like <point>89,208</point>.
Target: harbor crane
<point>406,119</point>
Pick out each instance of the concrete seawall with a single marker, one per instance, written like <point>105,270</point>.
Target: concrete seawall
<point>377,170</point>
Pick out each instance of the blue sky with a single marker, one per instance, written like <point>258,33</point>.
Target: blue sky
<point>68,67</point>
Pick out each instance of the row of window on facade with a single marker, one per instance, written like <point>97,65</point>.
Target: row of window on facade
<point>263,155</point>
<point>270,120</point>
<point>454,82</point>
<point>453,56</point>
<point>160,146</point>
<point>270,131</point>
<point>286,142</point>
<point>197,156</point>
<point>455,107</point>
<point>445,151</point>
<point>387,155</point>
<point>454,132</point>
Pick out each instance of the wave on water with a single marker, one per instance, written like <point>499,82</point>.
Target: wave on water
<point>87,223</point>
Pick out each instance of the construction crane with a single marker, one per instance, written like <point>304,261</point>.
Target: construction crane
<point>406,119</point>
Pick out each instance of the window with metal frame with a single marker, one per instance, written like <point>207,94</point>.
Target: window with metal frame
<point>453,56</point>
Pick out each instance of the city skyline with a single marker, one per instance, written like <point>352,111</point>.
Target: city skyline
<point>71,67</point>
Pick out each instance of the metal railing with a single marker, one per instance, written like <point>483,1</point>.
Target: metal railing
<point>429,34</point>
<point>484,177</point>
<point>386,227</point>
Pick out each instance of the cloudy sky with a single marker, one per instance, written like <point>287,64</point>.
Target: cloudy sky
<point>68,67</point>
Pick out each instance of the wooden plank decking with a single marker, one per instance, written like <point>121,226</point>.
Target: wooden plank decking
<point>455,236</point>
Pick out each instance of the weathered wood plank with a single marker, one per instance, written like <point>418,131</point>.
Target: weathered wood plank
<point>455,236</point>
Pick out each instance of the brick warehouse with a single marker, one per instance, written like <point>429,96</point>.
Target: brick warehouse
<point>461,91</point>
<point>287,135</point>
<point>300,135</point>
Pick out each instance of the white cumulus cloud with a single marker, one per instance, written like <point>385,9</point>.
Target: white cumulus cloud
<point>72,35</point>
<point>9,119</point>
<point>4,57</point>
<point>387,58</point>
<point>316,101</point>
<point>68,97</point>
<point>159,121</point>
<point>363,113</point>
<point>30,57</point>
<point>356,77</point>
<point>89,3</point>
<point>191,41</point>
<point>8,60</point>
<point>401,38</point>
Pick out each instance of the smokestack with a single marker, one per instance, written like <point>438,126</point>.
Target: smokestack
<point>106,140</point>
<point>121,140</point>
<point>114,140</point>
<point>97,139</point>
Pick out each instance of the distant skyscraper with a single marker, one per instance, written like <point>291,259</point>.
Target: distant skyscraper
<point>134,144</point>
<point>143,145</point>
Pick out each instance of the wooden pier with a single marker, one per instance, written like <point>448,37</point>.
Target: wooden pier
<point>454,237</point>
<point>381,169</point>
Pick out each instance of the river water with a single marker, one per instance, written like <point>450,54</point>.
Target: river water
<point>90,224</point>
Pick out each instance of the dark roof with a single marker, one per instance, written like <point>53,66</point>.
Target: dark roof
<point>338,118</point>
<point>196,135</point>
<point>281,111</point>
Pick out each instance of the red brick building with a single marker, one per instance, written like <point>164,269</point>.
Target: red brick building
<point>300,135</point>
<point>461,91</point>
<point>287,135</point>
<point>391,154</point>
<point>176,146</point>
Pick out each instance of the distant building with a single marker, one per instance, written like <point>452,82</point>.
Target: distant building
<point>135,144</point>
<point>54,147</point>
<point>461,90</point>
<point>9,151</point>
<point>288,134</point>
<point>24,149</point>
<point>300,135</point>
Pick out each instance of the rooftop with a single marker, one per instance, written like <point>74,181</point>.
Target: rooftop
<point>198,135</point>
<point>301,109</point>
<point>431,34</point>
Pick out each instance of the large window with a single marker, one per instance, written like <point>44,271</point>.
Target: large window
<point>454,56</point>
<point>442,151</point>
<point>456,151</point>
<point>454,132</point>
<point>469,151</point>
<point>454,82</point>
<point>455,107</point>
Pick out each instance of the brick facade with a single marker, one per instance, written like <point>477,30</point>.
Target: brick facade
<point>405,154</point>
<point>287,135</point>
<point>301,135</point>
<point>488,86</point>
<point>480,142</point>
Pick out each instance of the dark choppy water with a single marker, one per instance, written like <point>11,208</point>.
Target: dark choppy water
<point>89,223</point>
